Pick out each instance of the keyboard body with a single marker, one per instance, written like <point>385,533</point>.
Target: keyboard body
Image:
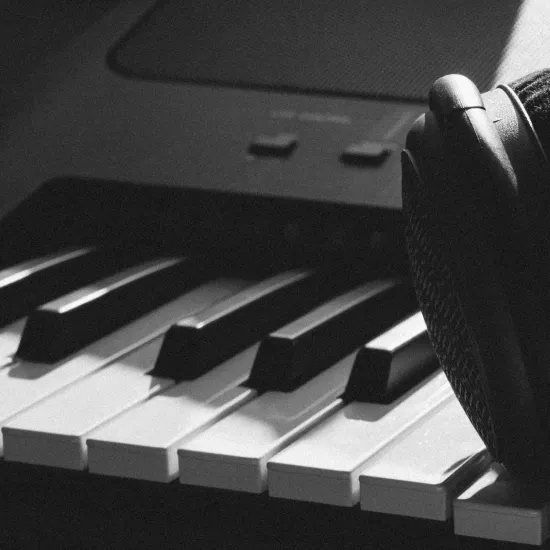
<point>91,156</point>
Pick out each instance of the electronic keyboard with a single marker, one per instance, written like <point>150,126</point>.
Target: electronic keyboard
<point>208,333</point>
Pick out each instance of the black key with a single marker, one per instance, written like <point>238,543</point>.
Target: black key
<point>29,284</point>
<point>198,343</point>
<point>392,363</point>
<point>67,324</point>
<point>298,351</point>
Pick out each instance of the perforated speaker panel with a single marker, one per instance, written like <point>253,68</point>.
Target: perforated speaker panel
<point>394,48</point>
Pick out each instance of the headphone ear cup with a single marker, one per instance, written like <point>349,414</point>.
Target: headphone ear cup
<point>471,259</point>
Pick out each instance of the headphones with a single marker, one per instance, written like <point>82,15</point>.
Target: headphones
<point>476,201</point>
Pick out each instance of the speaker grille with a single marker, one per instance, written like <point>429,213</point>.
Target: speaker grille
<point>395,48</point>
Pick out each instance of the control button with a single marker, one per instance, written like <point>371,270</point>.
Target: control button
<point>370,153</point>
<point>275,145</point>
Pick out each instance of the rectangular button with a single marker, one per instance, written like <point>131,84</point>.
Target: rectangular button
<point>420,474</point>
<point>26,383</point>
<point>67,324</point>
<point>233,453</point>
<point>496,507</point>
<point>366,153</point>
<point>53,432</point>
<point>392,363</point>
<point>324,465</point>
<point>277,145</point>
<point>299,350</point>
<point>143,442</point>
<point>198,343</point>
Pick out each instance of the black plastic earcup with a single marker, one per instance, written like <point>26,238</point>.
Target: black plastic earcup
<point>479,265</point>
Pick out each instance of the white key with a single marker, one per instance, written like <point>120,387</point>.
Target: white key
<point>53,432</point>
<point>142,443</point>
<point>497,507</point>
<point>324,465</point>
<point>233,453</point>
<point>25,384</point>
<point>420,474</point>
<point>10,336</point>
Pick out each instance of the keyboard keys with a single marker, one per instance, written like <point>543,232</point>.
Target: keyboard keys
<point>299,350</point>
<point>324,464</point>
<point>26,383</point>
<point>142,443</point>
<point>420,474</point>
<point>31,283</point>
<point>496,507</point>
<point>67,324</point>
<point>53,432</point>
<point>392,363</point>
<point>233,453</point>
<point>198,343</point>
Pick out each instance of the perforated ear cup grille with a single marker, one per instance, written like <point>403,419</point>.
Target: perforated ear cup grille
<point>438,298</point>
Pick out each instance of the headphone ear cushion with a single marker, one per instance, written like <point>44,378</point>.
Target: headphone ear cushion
<point>533,91</point>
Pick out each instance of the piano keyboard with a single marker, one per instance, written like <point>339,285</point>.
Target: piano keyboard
<point>221,383</point>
